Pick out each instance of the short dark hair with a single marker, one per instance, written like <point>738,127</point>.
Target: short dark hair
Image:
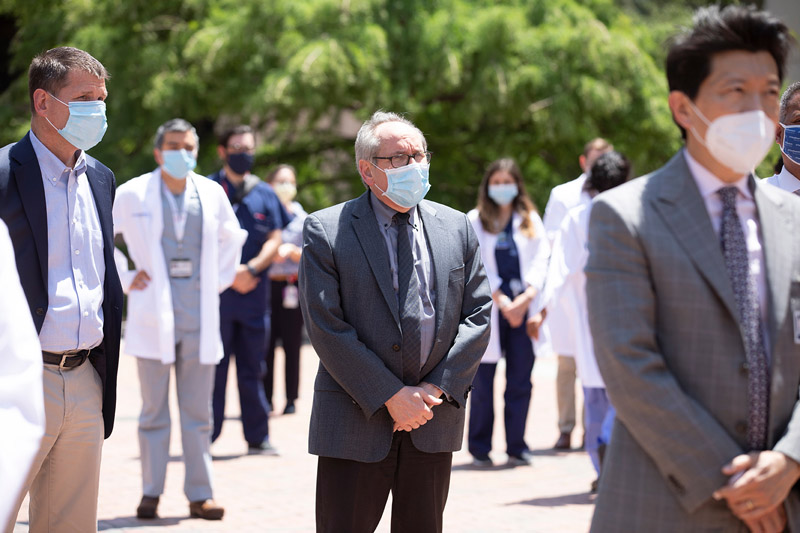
<point>49,69</point>
<point>226,135</point>
<point>787,99</point>
<point>175,124</point>
<point>609,170</point>
<point>718,30</point>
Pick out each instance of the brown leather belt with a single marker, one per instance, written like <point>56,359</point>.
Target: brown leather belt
<point>66,360</point>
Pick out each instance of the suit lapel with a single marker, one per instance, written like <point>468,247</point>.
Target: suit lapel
<point>775,224</point>
<point>680,205</point>
<point>98,183</point>
<point>439,239</point>
<point>31,191</point>
<point>365,226</point>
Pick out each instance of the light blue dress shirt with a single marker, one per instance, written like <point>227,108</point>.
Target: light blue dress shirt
<point>422,266</point>
<point>75,266</point>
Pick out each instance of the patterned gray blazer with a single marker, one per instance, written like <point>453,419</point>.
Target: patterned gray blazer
<point>351,313</point>
<point>669,346</point>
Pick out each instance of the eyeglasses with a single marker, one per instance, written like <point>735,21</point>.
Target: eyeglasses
<point>401,160</point>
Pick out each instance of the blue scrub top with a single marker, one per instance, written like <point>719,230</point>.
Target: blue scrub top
<point>260,212</point>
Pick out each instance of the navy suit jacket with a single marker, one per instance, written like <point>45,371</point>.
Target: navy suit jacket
<point>23,209</point>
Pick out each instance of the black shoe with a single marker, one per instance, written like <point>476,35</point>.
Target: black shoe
<point>563,442</point>
<point>289,409</point>
<point>147,507</point>
<point>265,448</point>
<point>482,461</point>
<point>523,459</point>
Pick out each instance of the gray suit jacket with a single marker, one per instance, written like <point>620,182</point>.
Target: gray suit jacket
<point>351,313</point>
<point>668,343</point>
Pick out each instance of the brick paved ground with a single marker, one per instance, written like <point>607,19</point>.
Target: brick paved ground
<point>276,494</point>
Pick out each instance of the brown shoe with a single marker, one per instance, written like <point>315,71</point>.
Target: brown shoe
<point>206,509</point>
<point>563,442</point>
<point>147,507</point>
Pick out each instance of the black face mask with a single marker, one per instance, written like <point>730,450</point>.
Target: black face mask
<point>240,163</point>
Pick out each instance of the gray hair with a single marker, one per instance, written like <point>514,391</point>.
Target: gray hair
<point>367,143</point>
<point>175,124</point>
<point>787,98</point>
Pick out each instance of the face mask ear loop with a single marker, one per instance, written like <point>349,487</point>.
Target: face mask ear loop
<point>703,118</point>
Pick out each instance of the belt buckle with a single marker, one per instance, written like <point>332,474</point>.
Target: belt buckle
<point>63,360</point>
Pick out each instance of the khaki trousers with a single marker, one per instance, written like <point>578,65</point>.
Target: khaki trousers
<point>565,393</point>
<point>65,475</point>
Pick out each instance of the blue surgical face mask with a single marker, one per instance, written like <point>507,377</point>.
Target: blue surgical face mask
<point>791,142</point>
<point>86,124</point>
<point>504,193</point>
<point>407,185</point>
<point>178,163</point>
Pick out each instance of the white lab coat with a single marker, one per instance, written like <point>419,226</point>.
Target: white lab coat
<point>21,395</point>
<point>560,312</point>
<point>568,261</point>
<point>784,180</point>
<point>533,254</point>
<point>138,216</point>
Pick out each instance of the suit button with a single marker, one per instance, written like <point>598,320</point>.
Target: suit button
<point>396,347</point>
<point>39,311</point>
<point>741,427</point>
<point>744,369</point>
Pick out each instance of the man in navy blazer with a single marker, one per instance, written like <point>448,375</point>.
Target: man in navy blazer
<point>56,201</point>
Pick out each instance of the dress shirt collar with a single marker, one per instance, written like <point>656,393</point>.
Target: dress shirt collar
<point>788,181</point>
<point>709,184</point>
<point>385,214</point>
<point>52,168</point>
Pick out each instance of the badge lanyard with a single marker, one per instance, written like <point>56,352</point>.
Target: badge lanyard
<point>179,216</point>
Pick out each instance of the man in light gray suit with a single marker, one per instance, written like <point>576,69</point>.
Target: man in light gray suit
<point>397,304</point>
<point>693,284</point>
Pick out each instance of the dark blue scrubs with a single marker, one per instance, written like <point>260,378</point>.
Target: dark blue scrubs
<point>517,348</point>
<point>244,318</point>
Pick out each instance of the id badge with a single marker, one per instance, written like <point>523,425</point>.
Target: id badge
<point>180,268</point>
<point>290,297</point>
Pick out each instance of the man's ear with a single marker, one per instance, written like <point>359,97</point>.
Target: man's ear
<point>158,157</point>
<point>582,162</point>
<point>779,135</point>
<point>40,102</point>
<point>365,170</point>
<point>221,152</point>
<point>680,107</point>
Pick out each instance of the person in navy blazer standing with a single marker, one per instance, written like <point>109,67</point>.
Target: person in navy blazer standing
<point>56,201</point>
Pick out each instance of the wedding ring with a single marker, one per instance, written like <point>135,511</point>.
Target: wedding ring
<point>748,505</point>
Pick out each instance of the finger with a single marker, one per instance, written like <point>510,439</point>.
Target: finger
<point>432,400</point>
<point>737,464</point>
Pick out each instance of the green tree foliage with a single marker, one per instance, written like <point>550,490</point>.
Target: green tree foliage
<point>530,79</point>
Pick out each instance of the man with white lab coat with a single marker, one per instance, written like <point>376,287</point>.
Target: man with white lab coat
<point>185,242</point>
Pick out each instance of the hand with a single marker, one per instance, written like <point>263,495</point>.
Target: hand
<point>533,324</point>
<point>286,251</point>
<point>514,312</point>
<point>759,483</point>
<point>408,409</point>
<point>772,522</point>
<point>432,395</point>
<point>140,281</point>
<point>244,281</point>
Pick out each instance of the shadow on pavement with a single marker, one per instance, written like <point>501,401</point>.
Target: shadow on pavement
<point>581,498</point>
<point>132,521</point>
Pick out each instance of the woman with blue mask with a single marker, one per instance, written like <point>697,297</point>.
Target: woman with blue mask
<point>515,250</point>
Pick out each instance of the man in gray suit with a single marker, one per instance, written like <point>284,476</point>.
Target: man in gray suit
<point>694,302</point>
<point>397,306</point>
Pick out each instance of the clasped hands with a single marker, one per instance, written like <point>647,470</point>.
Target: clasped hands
<point>757,488</point>
<point>412,407</point>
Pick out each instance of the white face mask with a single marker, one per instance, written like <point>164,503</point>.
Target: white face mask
<point>739,141</point>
